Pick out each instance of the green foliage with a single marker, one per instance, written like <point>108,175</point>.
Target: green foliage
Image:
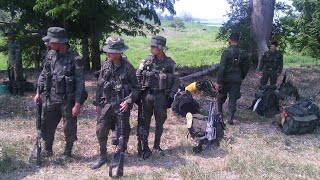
<point>302,27</point>
<point>8,159</point>
<point>177,24</point>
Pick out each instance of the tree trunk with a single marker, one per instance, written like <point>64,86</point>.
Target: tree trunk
<point>85,50</point>
<point>95,47</point>
<point>261,20</point>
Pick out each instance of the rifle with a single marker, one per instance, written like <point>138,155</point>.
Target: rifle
<point>36,152</point>
<point>141,133</point>
<point>211,131</point>
<point>117,161</point>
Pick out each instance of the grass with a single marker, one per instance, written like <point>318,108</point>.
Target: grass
<point>252,149</point>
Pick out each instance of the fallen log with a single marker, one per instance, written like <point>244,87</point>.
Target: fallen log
<point>200,73</point>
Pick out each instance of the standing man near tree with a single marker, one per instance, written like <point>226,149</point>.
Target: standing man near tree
<point>159,80</point>
<point>62,83</point>
<point>233,68</point>
<point>116,75</point>
<point>15,71</point>
<point>271,65</point>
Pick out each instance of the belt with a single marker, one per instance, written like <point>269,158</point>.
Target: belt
<point>154,91</point>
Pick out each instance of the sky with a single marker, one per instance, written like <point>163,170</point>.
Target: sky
<point>205,9</point>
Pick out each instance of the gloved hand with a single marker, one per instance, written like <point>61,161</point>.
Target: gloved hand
<point>169,102</point>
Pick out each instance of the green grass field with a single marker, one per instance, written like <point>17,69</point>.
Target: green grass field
<point>194,46</point>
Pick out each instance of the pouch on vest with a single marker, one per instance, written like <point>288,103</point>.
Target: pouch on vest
<point>162,81</point>
<point>60,85</point>
<point>69,84</point>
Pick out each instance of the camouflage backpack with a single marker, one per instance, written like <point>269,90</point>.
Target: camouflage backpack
<point>300,118</point>
<point>183,103</point>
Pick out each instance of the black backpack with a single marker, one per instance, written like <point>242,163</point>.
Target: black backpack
<point>183,103</point>
<point>300,118</point>
<point>267,102</point>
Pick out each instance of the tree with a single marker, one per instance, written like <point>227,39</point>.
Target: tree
<point>302,27</point>
<point>186,16</point>
<point>177,24</point>
<point>254,21</point>
<point>93,18</point>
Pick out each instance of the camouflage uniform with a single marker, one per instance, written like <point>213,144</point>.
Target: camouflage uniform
<point>14,64</point>
<point>112,78</point>
<point>234,66</point>
<point>62,82</point>
<point>271,65</point>
<point>159,81</point>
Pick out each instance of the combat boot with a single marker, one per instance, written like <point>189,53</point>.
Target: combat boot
<point>146,151</point>
<point>99,162</point>
<point>68,149</point>
<point>156,147</point>
<point>230,119</point>
<point>47,151</point>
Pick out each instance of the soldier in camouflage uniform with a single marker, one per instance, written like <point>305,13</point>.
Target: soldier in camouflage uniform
<point>15,73</point>
<point>62,83</point>
<point>116,74</point>
<point>234,66</point>
<point>159,82</point>
<point>271,65</point>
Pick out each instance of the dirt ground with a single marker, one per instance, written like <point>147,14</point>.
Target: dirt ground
<point>254,148</point>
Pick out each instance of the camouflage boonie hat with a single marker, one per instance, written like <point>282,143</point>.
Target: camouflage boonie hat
<point>56,35</point>
<point>158,42</point>
<point>114,45</point>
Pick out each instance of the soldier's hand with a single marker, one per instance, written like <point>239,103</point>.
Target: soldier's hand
<point>124,106</point>
<point>98,109</point>
<point>76,109</point>
<point>217,87</point>
<point>258,73</point>
<point>37,98</point>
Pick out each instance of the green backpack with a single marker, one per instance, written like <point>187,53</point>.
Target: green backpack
<point>300,118</point>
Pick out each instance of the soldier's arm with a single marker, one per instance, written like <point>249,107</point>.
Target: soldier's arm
<point>262,61</point>
<point>135,87</point>
<point>176,82</point>
<point>280,65</point>
<point>18,55</point>
<point>99,89</point>
<point>42,77</point>
<point>79,78</point>
<point>222,67</point>
<point>139,71</point>
<point>3,48</point>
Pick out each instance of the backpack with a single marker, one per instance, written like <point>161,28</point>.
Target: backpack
<point>183,103</point>
<point>267,102</point>
<point>198,126</point>
<point>300,118</point>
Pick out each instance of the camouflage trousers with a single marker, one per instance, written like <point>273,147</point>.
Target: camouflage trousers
<point>233,90</point>
<point>107,120</point>
<point>154,104</point>
<point>272,75</point>
<point>52,115</point>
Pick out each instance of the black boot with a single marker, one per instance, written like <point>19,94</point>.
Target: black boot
<point>230,119</point>
<point>156,147</point>
<point>68,149</point>
<point>146,151</point>
<point>99,162</point>
<point>47,151</point>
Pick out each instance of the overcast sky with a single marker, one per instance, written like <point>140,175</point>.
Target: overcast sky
<point>205,9</point>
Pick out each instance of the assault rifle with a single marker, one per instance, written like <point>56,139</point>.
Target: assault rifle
<point>36,152</point>
<point>141,133</point>
<point>117,161</point>
<point>211,131</point>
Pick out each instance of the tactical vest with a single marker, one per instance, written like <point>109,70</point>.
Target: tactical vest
<point>114,81</point>
<point>60,79</point>
<point>157,76</point>
<point>271,60</point>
